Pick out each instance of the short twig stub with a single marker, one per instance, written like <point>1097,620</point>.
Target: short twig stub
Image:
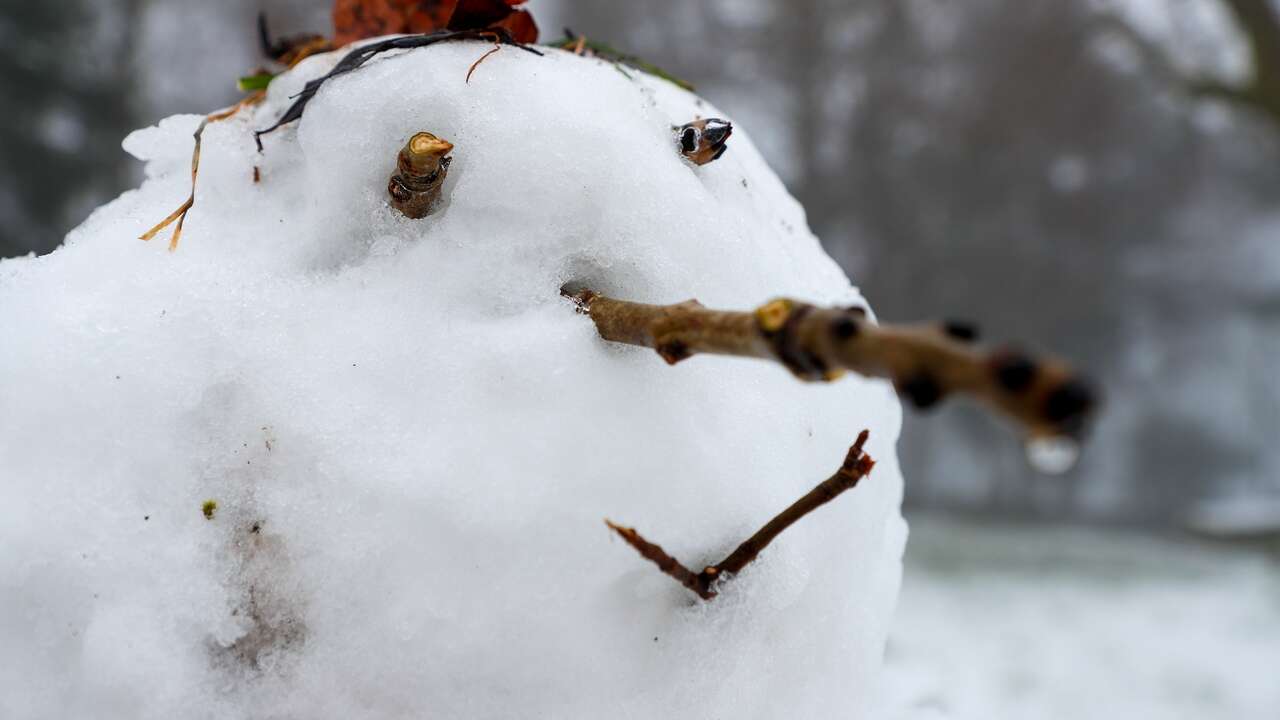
<point>421,167</point>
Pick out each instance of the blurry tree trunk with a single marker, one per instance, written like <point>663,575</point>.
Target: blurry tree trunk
<point>68,100</point>
<point>807,61</point>
<point>1260,26</point>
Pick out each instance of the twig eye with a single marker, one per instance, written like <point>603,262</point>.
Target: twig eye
<point>703,140</point>
<point>689,140</point>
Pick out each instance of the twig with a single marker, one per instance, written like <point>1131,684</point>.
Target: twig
<point>180,214</point>
<point>925,363</point>
<point>358,57</point>
<point>421,167</point>
<point>855,467</point>
<point>497,45</point>
<point>659,557</point>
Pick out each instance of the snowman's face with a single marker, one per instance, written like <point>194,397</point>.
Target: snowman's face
<point>412,440</point>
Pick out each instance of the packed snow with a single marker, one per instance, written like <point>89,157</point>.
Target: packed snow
<point>410,441</point>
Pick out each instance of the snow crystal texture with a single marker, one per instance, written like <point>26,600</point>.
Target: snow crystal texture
<point>412,440</point>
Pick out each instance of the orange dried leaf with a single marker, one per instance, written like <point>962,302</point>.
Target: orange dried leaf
<point>521,26</point>
<point>359,19</point>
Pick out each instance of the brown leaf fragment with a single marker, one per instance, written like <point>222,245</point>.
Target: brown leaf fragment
<point>360,19</point>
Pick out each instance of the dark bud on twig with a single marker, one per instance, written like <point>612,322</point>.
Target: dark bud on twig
<point>1069,403</point>
<point>704,140</point>
<point>421,168</point>
<point>961,330</point>
<point>1015,372</point>
<point>844,328</point>
<point>921,390</point>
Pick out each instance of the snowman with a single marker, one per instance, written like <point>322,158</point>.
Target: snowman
<point>329,459</point>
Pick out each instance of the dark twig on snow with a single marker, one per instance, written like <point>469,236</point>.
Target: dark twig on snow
<point>364,53</point>
<point>925,363</point>
<point>855,467</point>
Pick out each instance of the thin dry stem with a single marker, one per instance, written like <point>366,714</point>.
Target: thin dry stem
<point>925,363</point>
<point>356,58</point>
<point>180,215</point>
<point>497,45</point>
<point>855,467</point>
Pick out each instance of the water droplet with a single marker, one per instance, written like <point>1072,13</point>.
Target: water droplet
<point>1053,455</point>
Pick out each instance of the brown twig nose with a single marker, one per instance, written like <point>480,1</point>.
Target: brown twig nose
<point>425,146</point>
<point>421,168</point>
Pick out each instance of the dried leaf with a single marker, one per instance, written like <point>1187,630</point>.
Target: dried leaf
<point>359,19</point>
<point>356,58</point>
<point>521,26</point>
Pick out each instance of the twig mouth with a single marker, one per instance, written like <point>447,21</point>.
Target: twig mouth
<point>857,464</point>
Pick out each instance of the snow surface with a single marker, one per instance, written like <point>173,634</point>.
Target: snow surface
<point>1000,621</point>
<point>424,435</point>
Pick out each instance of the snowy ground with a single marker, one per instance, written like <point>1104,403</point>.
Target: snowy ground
<point>1033,624</point>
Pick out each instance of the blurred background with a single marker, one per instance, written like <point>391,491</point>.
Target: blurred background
<point>1096,179</point>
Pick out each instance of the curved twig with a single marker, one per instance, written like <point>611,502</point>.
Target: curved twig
<point>359,56</point>
<point>856,465</point>
<point>497,45</point>
<point>925,363</point>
